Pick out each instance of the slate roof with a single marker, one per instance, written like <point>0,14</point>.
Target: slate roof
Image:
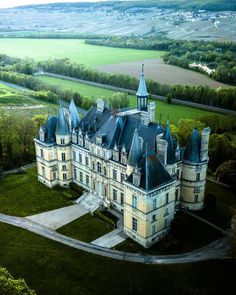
<point>50,128</point>
<point>153,173</point>
<point>192,150</point>
<point>62,125</point>
<point>136,150</point>
<point>171,145</point>
<point>142,88</point>
<point>75,119</point>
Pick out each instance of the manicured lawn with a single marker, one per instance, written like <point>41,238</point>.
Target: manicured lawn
<point>87,228</point>
<point>175,112</point>
<point>186,234</point>
<point>221,214</point>
<point>23,194</point>
<point>52,268</point>
<point>76,50</point>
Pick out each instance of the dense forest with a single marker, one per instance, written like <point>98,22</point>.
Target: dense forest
<point>214,58</point>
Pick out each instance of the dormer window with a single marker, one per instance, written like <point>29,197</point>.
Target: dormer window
<point>136,177</point>
<point>116,156</point>
<point>116,153</point>
<point>42,134</point>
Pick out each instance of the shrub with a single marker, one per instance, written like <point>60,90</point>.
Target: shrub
<point>68,196</point>
<point>99,215</point>
<point>78,189</point>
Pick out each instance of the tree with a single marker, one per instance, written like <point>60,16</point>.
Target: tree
<point>184,129</point>
<point>169,97</point>
<point>226,173</point>
<point>119,100</point>
<point>11,286</point>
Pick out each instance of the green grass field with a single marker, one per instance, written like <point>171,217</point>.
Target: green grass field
<point>23,194</point>
<point>52,268</point>
<point>175,112</point>
<point>87,228</point>
<point>76,50</point>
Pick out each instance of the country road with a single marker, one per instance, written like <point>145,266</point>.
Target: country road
<point>216,250</point>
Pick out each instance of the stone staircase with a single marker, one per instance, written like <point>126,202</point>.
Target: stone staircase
<point>90,201</point>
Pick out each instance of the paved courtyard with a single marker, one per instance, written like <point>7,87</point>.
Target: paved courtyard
<point>55,219</point>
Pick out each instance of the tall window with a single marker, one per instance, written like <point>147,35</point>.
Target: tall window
<point>43,171</point>
<point>167,198</point>
<point>86,161</point>
<point>198,177</point>
<point>122,199</point>
<point>62,141</point>
<point>87,180</point>
<point>93,165</point>
<point>64,175</point>
<point>105,171</point>
<point>63,167</point>
<point>99,167</point>
<point>54,175</point>
<point>153,229</point>
<point>154,204</point>
<point>42,153</point>
<point>154,217</point>
<point>80,158</point>
<point>74,155</point>
<point>176,195</point>
<point>114,174</point>
<point>122,177</point>
<point>134,224</point>
<point>114,194</point>
<point>81,177</point>
<point>63,156</point>
<point>196,198</point>
<point>134,201</point>
<point>177,174</point>
<point>75,173</point>
<point>166,212</point>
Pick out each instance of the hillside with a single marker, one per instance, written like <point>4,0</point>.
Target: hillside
<point>180,19</point>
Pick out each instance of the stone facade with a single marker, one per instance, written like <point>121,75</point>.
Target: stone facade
<point>131,162</point>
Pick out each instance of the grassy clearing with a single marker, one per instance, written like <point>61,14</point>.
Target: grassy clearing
<point>221,214</point>
<point>175,112</point>
<point>23,194</point>
<point>76,50</point>
<point>87,228</point>
<point>52,268</point>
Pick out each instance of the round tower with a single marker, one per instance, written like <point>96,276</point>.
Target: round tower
<point>194,170</point>
<point>63,140</point>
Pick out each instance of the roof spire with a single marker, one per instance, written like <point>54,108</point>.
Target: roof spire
<point>142,93</point>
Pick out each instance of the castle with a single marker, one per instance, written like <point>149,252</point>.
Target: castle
<point>127,160</point>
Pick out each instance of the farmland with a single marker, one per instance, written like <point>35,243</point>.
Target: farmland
<point>76,50</point>
<point>175,112</point>
<point>164,73</point>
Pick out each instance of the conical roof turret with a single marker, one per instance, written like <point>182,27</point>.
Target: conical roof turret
<point>62,125</point>
<point>192,151</point>
<point>75,119</point>
<point>142,88</point>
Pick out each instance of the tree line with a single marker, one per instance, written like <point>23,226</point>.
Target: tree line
<point>223,98</point>
<point>218,56</point>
